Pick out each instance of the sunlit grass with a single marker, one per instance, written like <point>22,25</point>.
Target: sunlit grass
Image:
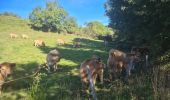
<point>65,83</point>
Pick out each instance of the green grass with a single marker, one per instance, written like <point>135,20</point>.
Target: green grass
<point>65,83</point>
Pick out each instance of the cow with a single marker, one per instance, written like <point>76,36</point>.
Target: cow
<point>76,43</point>
<point>53,57</point>
<point>143,53</point>
<point>60,42</point>
<point>39,43</point>
<point>6,69</point>
<point>119,62</point>
<point>90,69</point>
<point>13,35</point>
<point>24,36</point>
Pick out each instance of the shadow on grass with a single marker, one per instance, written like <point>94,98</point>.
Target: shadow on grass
<point>77,55</point>
<point>20,71</point>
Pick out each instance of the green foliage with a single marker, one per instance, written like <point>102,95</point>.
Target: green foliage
<point>145,23</point>
<point>139,22</point>
<point>37,91</point>
<point>70,25</point>
<point>96,28</point>
<point>49,19</point>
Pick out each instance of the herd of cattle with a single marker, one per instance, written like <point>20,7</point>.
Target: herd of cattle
<point>118,62</point>
<point>41,43</point>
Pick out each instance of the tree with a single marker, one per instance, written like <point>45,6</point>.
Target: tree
<point>70,25</point>
<point>49,19</point>
<point>141,22</point>
<point>96,29</point>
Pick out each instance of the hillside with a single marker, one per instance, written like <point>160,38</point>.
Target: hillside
<point>65,83</point>
<point>28,57</point>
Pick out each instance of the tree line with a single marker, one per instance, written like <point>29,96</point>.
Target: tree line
<point>54,18</point>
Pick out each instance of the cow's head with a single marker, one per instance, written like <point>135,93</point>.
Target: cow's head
<point>98,62</point>
<point>6,68</point>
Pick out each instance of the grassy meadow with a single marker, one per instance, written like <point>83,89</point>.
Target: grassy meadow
<point>65,83</point>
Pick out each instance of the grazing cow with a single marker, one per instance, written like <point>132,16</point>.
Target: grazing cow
<point>5,70</point>
<point>89,70</point>
<point>12,35</point>
<point>60,42</point>
<point>24,36</point>
<point>143,53</point>
<point>38,43</point>
<point>76,44</point>
<point>119,61</point>
<point>52,58</point>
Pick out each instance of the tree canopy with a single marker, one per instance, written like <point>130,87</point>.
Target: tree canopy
<point>141,22</point>
<point>52,18</point>
<point>95,28</point>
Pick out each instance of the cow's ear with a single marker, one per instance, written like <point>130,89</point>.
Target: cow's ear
<point>99,59</point>
<point>13,64</point>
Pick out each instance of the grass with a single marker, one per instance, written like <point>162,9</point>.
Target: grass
<point>65,83</point>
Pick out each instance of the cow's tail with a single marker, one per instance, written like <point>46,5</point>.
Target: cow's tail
<point>92,87</point>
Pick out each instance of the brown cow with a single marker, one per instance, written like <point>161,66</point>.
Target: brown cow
<point>39,43</point>
<point>119,61</point>
<point>76,44</point>
<point>53,57</point>
<point>12,35</point>
<point>24,36</point>
<point>60,42</point>
<point>5,70</point>
<point>90,69</point>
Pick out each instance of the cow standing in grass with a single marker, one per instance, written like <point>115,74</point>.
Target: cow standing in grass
<point>76,44</point>
<point>89,70</point>
<point>5,70</point>
<point>24,36</point>
<point>12,35</point>
<point>39,43</point>
<point>119,61</point>
<point>60,42</point>
<point>52,58</point>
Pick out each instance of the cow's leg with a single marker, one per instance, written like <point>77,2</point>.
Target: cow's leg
<point>101,77</point>
<point>94,79</point>
<point>55,67</point>
<point>0,88</point>
<point>128,69</point>
<point>48,68</point>
<point>84,90</point>
<point>110,74</point>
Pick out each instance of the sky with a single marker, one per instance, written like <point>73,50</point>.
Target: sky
<point>82,10</point>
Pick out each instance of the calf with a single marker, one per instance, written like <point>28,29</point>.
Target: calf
<point>38,43</point>
<point>60,42</point>
<point>76,44</point>
<point>89,70</point>
<point>52,58</point>
<point>12,35</point>
<point>24,36</point>
<point>119,61</point>
<point>5,70</point>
